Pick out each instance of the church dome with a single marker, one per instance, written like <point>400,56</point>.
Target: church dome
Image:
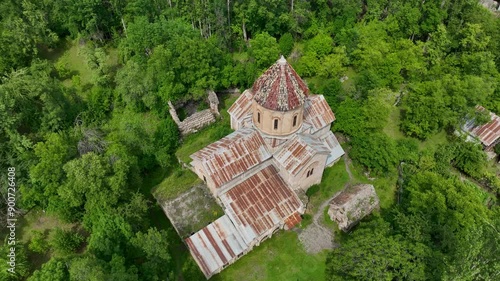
<point>280,88</point>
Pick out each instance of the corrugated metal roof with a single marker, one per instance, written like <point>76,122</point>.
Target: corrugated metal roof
<point>280,87</point>
<point>336,150</point>
<point>297,152</point>
<point>293,220</point>
<point>241,107</point>
<point>317,112</point>
<point>260,203</point>
<point>216,245</point>
<point>232,155</point>
<point>489,132</point>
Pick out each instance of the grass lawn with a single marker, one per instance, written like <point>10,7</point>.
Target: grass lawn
<point>434,141</point>
<point>392,128</point>
<point>208,135</point>
<point>348,85</point>
<point>280,258</point>
<point>67,53</point>
<point>334,179</point>
<point>176,183</point>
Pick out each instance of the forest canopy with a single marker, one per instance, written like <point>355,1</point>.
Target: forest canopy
<point>84,91</point>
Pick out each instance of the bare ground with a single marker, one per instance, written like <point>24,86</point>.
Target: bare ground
<point>316,237</point>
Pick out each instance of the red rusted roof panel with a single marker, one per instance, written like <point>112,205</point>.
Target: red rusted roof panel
<point>232,155</point>
<point>317,112</point>
<point>293,220</point>
<point>261,202</point>
<point>241,107</point>
<point>489,132</point>
<point>280,87</point>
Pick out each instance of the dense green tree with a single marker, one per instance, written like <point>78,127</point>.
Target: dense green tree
<point>65,242</point>
<point>55,270</point>
<point>264,50</point>
<point>372,253</point>
<point>286,44</point>
<point>52,154</point>
<point>38,242</point>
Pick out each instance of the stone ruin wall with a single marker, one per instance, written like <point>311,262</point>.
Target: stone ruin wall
<point>198,120</point>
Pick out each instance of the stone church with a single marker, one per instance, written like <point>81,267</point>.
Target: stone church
<point>281,144</point>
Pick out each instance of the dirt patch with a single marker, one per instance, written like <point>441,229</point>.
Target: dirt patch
<point>316,239</point>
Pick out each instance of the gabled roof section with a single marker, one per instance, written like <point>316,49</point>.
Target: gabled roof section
<point>297,152</point>
<point>487,133</point>
<point>216,245</point>
<point>260,203</point>
<point>280,87</point>
<point>232,155</point>
<point>241,107</point>
<point>336,150</point>
<point>317,112</point>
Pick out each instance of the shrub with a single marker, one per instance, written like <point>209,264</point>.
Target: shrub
<point>38,243</point>
<point>286,44</point>
<point>65,242</point>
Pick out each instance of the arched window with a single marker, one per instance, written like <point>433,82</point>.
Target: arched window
<point>276,124</point>
<point>295,120</point>
<point>258,117</point>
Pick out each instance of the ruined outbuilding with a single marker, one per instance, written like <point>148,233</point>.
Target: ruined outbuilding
<point>281,145</point>
<point>198,120</point>
<point>352,204</point>
<point>487,134</point>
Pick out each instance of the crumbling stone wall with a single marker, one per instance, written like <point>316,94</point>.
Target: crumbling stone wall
<point>352,204</point>
<point>198,120</point>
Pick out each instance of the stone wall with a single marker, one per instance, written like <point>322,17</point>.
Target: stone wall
<point>198,120</point>
<point>352,204</point>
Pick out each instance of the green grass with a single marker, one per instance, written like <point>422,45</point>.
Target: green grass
<point>177,182</point>
<point>348,85</point>
<point>434,141</point>
<point>392,127</point>
<point>280,258</point>
<point>208,135</point>
<point>240,56</point>
<point>334,179</point>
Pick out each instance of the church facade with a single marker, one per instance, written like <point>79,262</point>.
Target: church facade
<point>280,147</point>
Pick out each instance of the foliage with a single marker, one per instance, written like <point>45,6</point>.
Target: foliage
<point>21,263</point>
<point>286,44</point>
<point>264,50</point>
<point>372,253</point>
<point>65,242</point>
<point>54,269</point>
<point>82,131</point>
<point>38,243</point>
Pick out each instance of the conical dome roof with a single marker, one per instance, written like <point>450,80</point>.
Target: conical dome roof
<point>280,87</point>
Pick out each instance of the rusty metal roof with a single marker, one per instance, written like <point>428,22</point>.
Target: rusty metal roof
<point>293,220</point>
<point>241,107</point>
<point>232,155</point>
<point>216,245</point>
<point>260,203</point>
<point>297,152</point>
<point>489,132</point>
<point>280,87</point>
<point>317,112</point>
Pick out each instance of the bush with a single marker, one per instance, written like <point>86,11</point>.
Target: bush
<point>38,243</point>
<point>65,242</point>
<point>470,159</point>
<point>286,44</point>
